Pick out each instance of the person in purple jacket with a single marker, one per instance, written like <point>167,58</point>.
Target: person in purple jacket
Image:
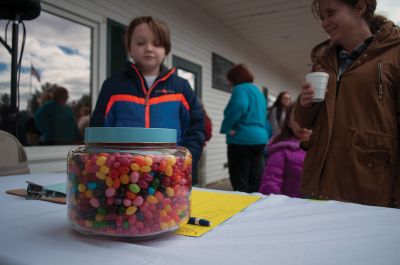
<point>284,165</point>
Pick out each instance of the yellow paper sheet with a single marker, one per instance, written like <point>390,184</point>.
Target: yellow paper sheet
<point>216,207</point>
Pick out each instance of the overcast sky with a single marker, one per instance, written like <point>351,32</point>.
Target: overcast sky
<point>60,51</point>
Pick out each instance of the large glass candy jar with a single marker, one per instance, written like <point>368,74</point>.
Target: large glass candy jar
<point>128,182</point>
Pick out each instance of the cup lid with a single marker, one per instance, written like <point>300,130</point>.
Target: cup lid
<point>324,74</point>
<point>129,135</point>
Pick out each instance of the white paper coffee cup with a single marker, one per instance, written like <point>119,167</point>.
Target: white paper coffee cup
<point>318,81</point>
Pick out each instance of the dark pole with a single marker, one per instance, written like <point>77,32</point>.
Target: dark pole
<point>14,76</point>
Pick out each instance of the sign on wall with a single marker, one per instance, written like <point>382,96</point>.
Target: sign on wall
<point>220,66</point>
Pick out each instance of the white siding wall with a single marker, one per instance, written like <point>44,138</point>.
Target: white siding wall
<point>195,35</point>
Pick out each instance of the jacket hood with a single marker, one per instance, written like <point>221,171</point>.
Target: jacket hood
<point>292,144</point>
<point>387,36</point>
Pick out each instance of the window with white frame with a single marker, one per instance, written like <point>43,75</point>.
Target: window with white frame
<point>58,53</point>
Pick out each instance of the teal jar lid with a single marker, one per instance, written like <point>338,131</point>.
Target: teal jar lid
<point>129,135</point>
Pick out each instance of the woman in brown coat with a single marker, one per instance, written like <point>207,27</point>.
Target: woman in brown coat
<point>353,154</point>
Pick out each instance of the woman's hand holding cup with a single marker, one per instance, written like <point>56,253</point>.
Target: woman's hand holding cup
<point>306,95</point>
<point>314,90</point>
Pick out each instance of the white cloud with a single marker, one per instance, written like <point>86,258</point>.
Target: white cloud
<point>44,36</point>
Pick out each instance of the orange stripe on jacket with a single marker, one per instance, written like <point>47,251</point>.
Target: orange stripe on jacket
<point>170,98</point>
<point>129,98</point>
<point>140,78</point>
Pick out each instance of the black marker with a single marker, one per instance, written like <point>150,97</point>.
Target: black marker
<point>199,221</point>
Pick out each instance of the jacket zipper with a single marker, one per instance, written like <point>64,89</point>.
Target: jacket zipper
<point>338,78</point>
<point>338,85</point>
<point>380,81</point>
<point>148,92</point>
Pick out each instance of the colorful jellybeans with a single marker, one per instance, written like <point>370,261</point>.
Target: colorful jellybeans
<point>128,194</point>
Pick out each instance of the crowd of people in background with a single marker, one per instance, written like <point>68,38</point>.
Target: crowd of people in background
<point>52,121</point>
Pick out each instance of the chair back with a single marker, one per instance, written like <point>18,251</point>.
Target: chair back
<point>13,159</point>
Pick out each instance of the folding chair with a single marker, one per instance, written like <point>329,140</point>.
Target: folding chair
<point>13,159</point>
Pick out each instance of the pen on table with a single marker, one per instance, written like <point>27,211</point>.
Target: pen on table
<point>199,221</point>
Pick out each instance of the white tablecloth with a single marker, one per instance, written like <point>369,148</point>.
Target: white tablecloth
<point>275,230</point>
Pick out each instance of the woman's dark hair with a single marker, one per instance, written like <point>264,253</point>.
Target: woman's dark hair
<point>374,21</point>
<point>278,105</point>
<point>286,132</point>
<point>160,31</point>
<point>239,74</point>
<point>60,93</point>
